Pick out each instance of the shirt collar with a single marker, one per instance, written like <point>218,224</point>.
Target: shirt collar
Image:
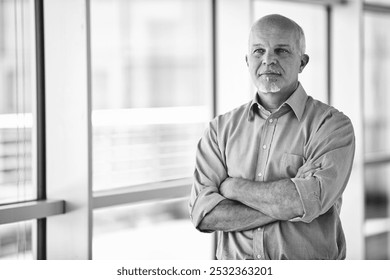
<point>297,102</point>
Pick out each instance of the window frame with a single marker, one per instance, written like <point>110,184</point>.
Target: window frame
<point>60,203</point>
<point>41,208</point>
<point>376,226</point>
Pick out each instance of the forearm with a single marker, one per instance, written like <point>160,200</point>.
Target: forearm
<point>278,199</point>
<point>231,215</point>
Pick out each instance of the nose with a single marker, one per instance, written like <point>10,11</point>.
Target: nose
<point>269,58</point>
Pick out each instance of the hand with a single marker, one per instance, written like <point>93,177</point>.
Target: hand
<point>308,170</point>
<point>226,188</point>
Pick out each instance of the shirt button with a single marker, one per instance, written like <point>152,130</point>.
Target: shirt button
<point>259,229</point>
<point>258,256</point>
<point>264,147</point>
<point>260,174</point>
<point>271,120</point>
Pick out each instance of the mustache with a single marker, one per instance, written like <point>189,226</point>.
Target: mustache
<point>270,71</point>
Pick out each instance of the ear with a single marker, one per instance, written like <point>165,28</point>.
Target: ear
<point>304,62</point>
<point>246,60</point>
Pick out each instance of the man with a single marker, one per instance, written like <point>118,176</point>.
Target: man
<point>269,175</point>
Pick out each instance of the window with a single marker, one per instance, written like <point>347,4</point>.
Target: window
<point>151,70</point>
<point>313,20</point>
<point>152,94</point>
<point>152,83</point>
<point>155,230</point>
<point>16,241</point>
<point>377,134</point>
<point>17,91</point>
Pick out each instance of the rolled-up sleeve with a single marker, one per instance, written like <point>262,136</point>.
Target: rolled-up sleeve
<point>330,155</point>
<point>210,172</point>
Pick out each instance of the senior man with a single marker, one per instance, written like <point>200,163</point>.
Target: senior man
<point>270,174</point>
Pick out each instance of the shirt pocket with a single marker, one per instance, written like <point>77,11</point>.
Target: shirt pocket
<point>290,165</point>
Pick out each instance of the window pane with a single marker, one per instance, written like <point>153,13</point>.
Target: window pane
<point>152,88</point>
<point>313,20</point>
<point>15,241</point>
<point>156,230</point>
<point>378,247</point>
<point>377,187</point>
<point>17,88</point>
<point>376,83</point>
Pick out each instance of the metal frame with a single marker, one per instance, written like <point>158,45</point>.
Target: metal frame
<point>41,126</point>
<point>68,127</point>
<point>161,190</point>
<point>371,160</point>
<point>376,8</point>
<point>56,236</point>
<point>329,52</point>
<point>41,208</point>
<point>319,2</point>
<point>23,211</point>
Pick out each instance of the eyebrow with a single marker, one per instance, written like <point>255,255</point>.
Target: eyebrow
<point>284,45</point>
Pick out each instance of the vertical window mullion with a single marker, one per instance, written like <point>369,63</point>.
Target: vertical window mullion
<point>40,126</point>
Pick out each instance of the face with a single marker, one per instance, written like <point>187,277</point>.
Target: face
<point>274,61</point>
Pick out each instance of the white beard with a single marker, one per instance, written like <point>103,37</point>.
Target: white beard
<point>269,87</point>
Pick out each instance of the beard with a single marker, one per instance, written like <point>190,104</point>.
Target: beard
<point>269,87</point>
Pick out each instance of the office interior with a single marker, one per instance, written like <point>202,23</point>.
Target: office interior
<point>102,103</point>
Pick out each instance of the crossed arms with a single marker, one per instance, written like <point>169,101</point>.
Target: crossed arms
<point>250,204</point>
<point>220,202</point>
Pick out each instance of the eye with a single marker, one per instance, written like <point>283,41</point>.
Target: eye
<point>281,51</point>
<point>259,51</point>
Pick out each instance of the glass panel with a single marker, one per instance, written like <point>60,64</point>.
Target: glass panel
<point>156,230</point>
<point>17,87</point>
<point>16,241</point>
<point>378,247</point>
<point>152,88</point>
<point>376,83</point>
<point>313,20</point>
<point>377,188</point>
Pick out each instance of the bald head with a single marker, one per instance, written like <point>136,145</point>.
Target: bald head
<point>273,22</point>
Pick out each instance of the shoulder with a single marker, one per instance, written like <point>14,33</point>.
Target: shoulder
<point>324,116</point>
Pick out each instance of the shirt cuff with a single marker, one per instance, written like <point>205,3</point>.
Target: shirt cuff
<point>309,192</point>
<point>206,200</point>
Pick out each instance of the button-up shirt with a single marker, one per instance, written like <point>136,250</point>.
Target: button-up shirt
<point>305,140</point>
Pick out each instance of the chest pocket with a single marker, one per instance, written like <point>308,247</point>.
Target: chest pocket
<point>290,165</point>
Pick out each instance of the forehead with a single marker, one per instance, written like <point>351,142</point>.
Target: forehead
<point>270,35</point>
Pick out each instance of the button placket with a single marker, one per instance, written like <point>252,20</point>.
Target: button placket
<point>258,244</point>
<point>265,147</point>
<point>266,137</point>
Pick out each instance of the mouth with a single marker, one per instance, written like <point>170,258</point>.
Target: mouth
<point>270,73</point>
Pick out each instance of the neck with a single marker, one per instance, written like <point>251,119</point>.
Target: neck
<point>273,100</point>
